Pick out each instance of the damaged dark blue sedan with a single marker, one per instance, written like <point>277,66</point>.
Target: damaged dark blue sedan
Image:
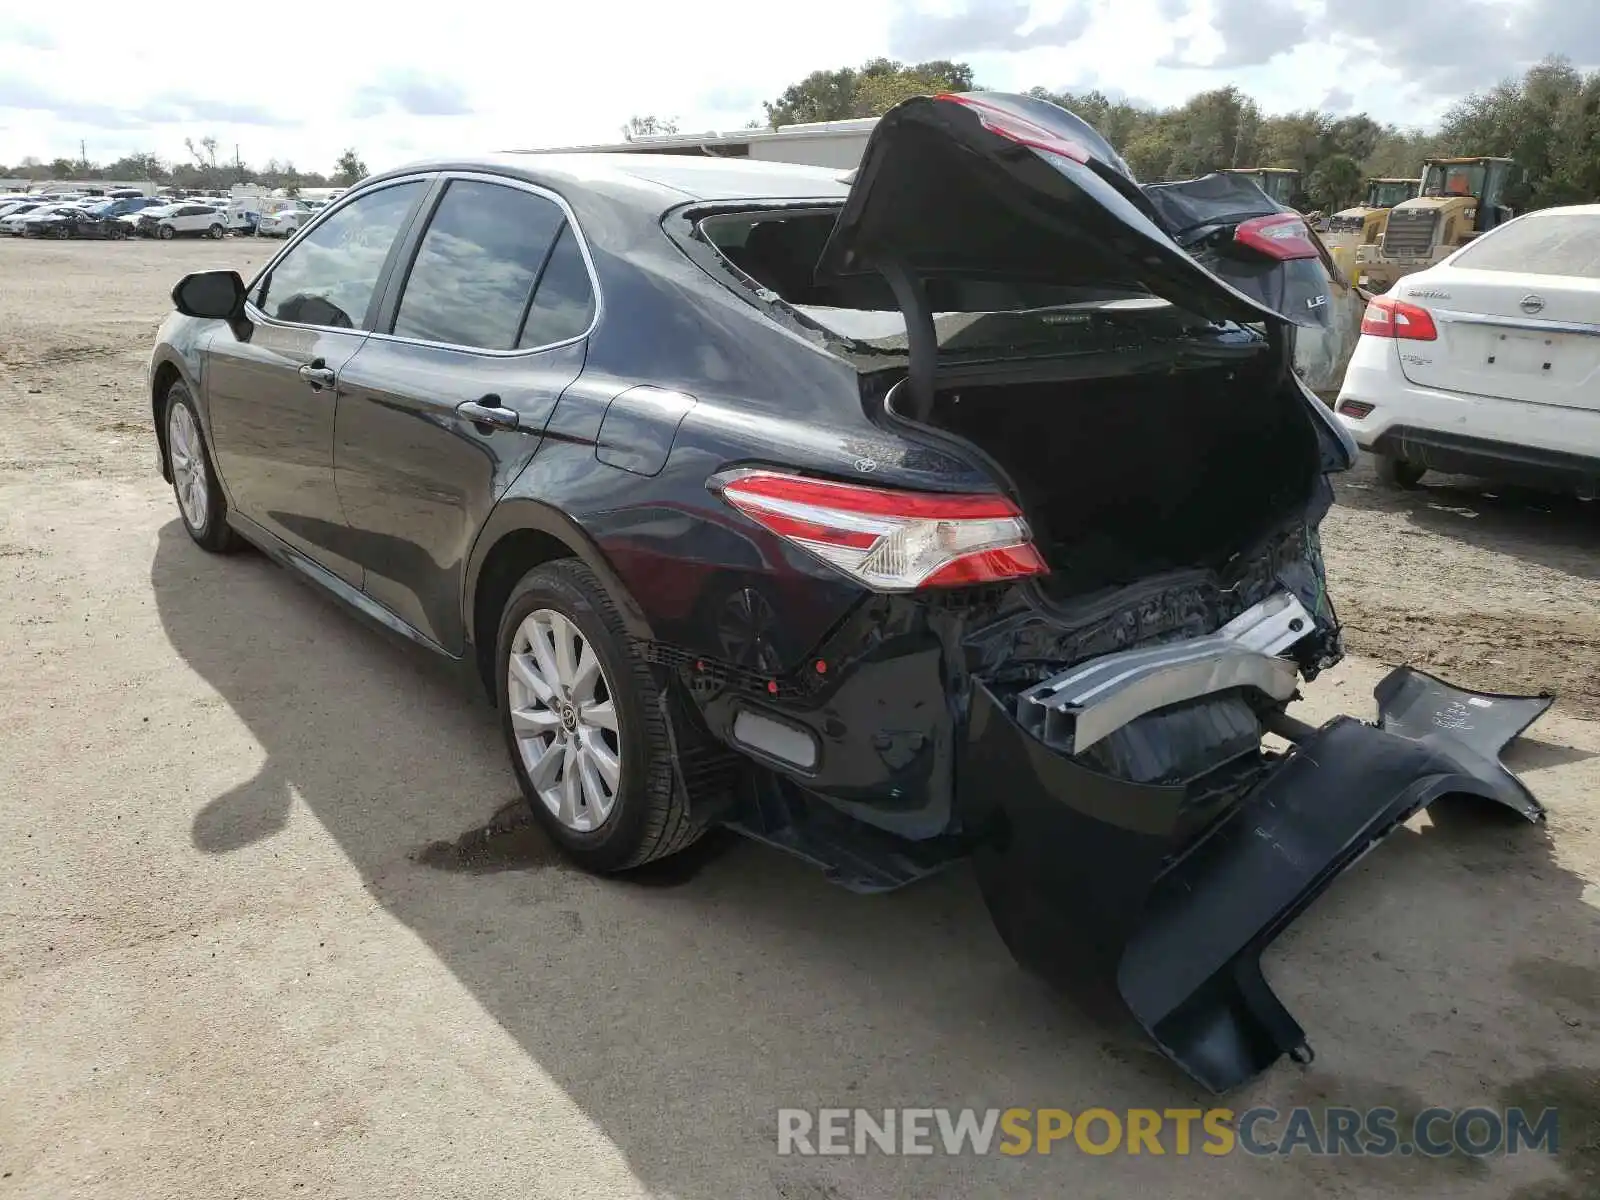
<point>954,511</point>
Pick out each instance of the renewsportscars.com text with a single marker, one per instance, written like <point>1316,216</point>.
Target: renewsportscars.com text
<point>1371,1132</point>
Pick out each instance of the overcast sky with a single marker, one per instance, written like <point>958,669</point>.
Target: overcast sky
<point>301,81</point>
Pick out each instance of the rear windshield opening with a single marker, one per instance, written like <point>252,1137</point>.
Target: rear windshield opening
<point>779,252</point>
<point>1540,244</point>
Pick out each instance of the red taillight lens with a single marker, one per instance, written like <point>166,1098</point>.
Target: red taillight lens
<point>1018,128</point>
<point>1387,317</point>
<point>1281,236</point>
<point>1355,409</point>
<point>888,540</point>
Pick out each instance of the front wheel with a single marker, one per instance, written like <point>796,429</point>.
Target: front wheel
<point>1397,472</point>
<point>216,231</point>
<point>62,232</point>
<point>582,719</point>
<point>194,482</point>
<point>165,232</point>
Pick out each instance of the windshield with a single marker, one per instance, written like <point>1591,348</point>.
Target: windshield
<point>1279,187</point>
<point>1387,195</point>
<point>1453,179</point>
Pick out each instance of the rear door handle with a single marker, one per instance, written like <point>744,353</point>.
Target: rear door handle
<point>318,376</point>
<point>488,413</point>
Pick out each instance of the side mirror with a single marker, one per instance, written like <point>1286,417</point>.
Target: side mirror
<point>217,295</point>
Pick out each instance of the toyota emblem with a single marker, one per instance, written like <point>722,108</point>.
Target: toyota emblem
<point>1531,305</point>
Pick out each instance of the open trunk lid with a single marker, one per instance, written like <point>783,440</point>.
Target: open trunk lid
<point>1003,188</point>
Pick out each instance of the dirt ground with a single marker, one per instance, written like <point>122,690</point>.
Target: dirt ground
<point>261,937</point>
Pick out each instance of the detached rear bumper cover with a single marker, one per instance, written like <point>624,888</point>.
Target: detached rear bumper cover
<point>1074,863</point>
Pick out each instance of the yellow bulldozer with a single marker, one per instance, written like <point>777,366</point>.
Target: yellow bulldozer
<point>1281,183</point>
<point>1363,224</point>
<point>1458,199</point>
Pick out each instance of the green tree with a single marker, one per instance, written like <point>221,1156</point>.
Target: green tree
<point>349,169</point>
<point>649,126</point>
<point>1336,183</point>
<point>820,96</point>
<point>868,91</point>
<point>136,166</point>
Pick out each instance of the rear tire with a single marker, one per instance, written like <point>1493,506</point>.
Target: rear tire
<point>1397,472</point>
<point>648,817</point>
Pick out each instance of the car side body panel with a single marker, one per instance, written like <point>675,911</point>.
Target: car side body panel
<point>416,479</point>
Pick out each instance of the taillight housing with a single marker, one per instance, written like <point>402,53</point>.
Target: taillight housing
<point>887,539</point>
<point>1282,236</point>
<point>1019,129</point>
<point>1387,317</point>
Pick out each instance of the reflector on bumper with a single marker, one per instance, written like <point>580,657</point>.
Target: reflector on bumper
<point>1079,869</point>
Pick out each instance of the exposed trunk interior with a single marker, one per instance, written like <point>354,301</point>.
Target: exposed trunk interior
<point>1123,478</point>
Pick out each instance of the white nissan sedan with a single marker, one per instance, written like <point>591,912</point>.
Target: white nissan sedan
<point>1488,363</point>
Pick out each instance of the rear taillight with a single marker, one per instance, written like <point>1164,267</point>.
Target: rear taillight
<point>1356,410</point>
<point>1387,317</point>
<point>1019,129</point>
<point>889,540</point>
<point>1281,236</point>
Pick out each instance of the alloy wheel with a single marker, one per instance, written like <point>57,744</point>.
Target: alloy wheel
<point>564,720</point>
<point>188,465</point>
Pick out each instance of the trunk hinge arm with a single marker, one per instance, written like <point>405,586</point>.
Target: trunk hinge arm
<point>922,342</point>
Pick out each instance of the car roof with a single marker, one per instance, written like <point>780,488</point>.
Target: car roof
<point>1579,210</point>
<point>671,178</point>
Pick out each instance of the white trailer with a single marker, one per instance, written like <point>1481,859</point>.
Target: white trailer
<point>818,144</point>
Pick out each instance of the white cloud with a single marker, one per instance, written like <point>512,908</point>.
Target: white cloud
<point>476,75</point>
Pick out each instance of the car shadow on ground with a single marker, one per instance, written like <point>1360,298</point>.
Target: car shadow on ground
<point>1552,530</point>
<point>681,1016</point>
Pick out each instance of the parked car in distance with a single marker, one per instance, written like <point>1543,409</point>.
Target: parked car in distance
<point>183,219</point>
<point>13,206</point>
<point>282,222</point>
<point>70,222</point>
<point>887,532</point>
<point>1235,229</point>
<point>12,222</point>
<point>1488,363</point>
<point>121,206</point>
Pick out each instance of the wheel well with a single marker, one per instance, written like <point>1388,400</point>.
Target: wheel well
<point>508,560</point>
<point>160,384</point>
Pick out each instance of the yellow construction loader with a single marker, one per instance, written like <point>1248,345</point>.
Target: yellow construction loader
<point>1459,199</point>
<point>1281,183</point>
<point>1363,224</point>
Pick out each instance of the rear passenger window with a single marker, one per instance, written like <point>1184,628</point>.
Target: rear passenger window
<point>564,304</point>
<point>478,265</point>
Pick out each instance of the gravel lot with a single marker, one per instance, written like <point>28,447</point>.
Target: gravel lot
<point>263,937</point>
